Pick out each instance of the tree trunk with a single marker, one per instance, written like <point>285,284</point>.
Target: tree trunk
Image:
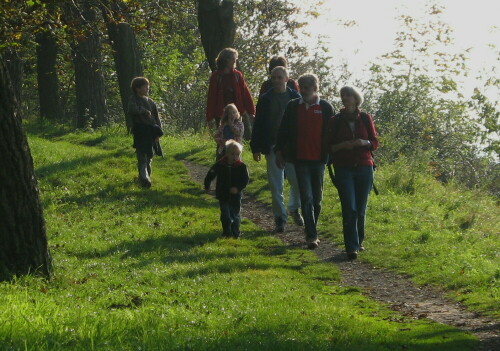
<point>127,60</point>
<point>89,80</point>
<point>15,68</point>
<point>48,83</point>
<point>217,27</point>
<point>23,239</point>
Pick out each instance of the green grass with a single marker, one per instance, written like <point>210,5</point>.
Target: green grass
<point>439,234</point>
<point>138,269</point>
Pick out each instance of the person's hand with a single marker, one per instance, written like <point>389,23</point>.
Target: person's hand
<point>257,156</point>
<point>348,144</point>
<point>280,161</point>
<point>358,142</point>
<point>233,190</point>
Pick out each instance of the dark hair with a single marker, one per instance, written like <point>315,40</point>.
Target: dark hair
<point>138,82</point>
<point>224,56</point>
<point>277,61</point>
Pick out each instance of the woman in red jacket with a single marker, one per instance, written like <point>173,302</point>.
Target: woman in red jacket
<point>351,139</point>
<point>227,86</point>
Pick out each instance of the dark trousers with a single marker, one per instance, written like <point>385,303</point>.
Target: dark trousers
<point>354,185</point>
<point>310,176</point>
<point>230,216</point>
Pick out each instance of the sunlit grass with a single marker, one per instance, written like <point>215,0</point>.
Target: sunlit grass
<point>139,269</point>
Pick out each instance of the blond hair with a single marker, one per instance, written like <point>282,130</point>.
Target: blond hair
<point>224,56</point>
<point>233,144</point>
<point>225,113</point>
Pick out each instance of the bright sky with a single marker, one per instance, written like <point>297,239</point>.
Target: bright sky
<point>475,23</point>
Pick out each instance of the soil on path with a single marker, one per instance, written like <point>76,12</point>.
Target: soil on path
<point>395,290</point>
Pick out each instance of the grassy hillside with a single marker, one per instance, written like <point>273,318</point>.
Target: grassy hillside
<point>439,234</point>
<point>146,269</point>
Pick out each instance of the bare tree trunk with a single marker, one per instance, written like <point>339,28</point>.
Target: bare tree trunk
<point>89,80</point>
<point>127,60</point>
<point>15,68</point>
<point>217,27</point>
<point>23,239</point>
<point>48,83</point>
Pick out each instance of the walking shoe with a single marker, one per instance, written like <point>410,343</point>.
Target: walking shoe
<point>146,183</point>
<point>297,218</point>
<point>312,244</point>
<point>361,248</point>
<point>279,225</point>
<point>352,255</point>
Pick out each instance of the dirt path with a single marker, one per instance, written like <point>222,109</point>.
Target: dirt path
<point>395,290</point>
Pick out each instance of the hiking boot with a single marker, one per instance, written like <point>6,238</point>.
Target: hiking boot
<point>312,243</point>
<point>352,255</point>
<point>279,225</point>
<point>297,218</point>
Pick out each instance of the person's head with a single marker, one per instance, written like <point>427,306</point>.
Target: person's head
<point>277,61</point>
<point>140,86</point>
<point>233,150</point>
<point>227,59</point>
<point>308,86</point>
<point>231,113</point>
<point>279,77</point>
<point>351,97</point>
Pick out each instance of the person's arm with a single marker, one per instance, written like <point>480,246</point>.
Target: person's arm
<point>211,97</point>
<point>248,103</point>
<point>212,173</point>
<point>154,113</point>
<point>258,127</point>
<point>372,134</point>
<point>283,136</point>
<point>139,113</point>
<point>219,135</point>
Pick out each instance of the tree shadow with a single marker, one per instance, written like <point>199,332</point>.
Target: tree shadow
<point>61,167</point>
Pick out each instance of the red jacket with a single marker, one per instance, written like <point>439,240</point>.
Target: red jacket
<point>339,131</point>
<point>215,96</point>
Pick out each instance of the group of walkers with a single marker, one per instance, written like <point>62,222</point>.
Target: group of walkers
<point>297,132</point>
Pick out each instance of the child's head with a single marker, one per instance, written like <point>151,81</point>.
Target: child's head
<point>308,85</point>
<point>233,150</point>
<point>140,86</point>
<point>227,59</point>
<point>279,77</point>
<point>230,113</point>
<point>277,61</point>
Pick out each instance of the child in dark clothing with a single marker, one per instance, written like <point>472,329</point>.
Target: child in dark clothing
<point>146,128</point>
<point>232,178</point>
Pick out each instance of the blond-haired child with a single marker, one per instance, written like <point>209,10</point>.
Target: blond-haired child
<point>232,178</point>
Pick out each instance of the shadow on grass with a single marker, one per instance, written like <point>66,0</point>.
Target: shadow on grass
<point>182,155</point>
<point>61,167</point>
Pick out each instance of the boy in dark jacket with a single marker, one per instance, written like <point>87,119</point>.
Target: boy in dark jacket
<point>232,178</point>
<point>302,140</point>
<point>146,128</point>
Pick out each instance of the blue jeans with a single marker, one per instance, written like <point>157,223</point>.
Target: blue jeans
<point>276,180</point>
<point>310,178</point>
<point>230,215</point>
<point>354,185</point>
